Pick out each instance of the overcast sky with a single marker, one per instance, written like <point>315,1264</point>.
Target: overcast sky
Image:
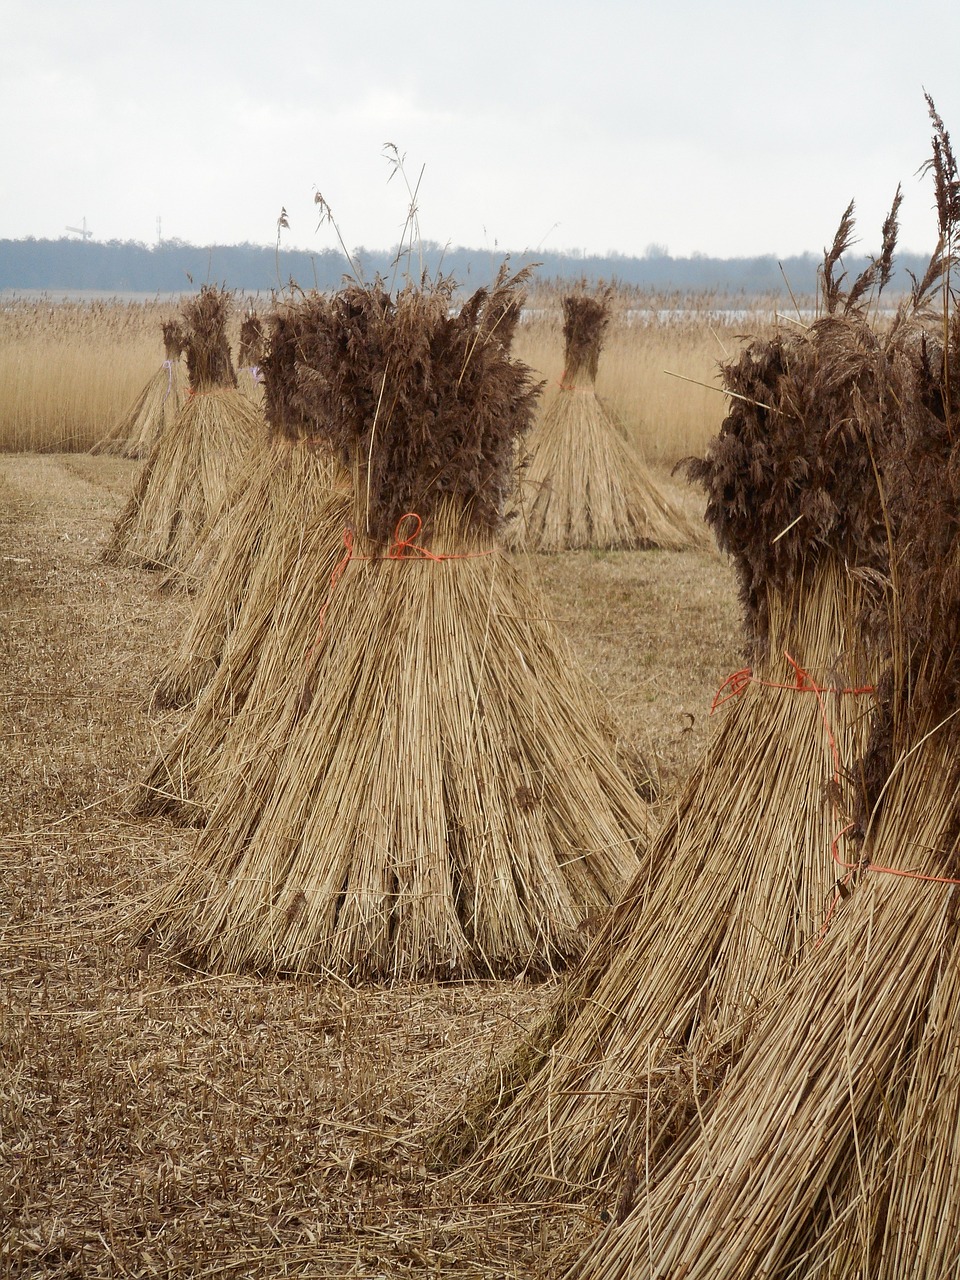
<point>733,128</point>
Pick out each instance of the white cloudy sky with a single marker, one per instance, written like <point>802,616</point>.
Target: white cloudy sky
<point>730,128</point>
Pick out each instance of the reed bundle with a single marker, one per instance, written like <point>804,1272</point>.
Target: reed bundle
<point>666,1000</point>
<point>241,692</point>
<point>581,483</point>
<point>255,617</point>
<point>431,788</point>
<point>832,1148</point>
<point>273,499</point>
<point>278,491</point>
<point>188,476</point>
<point>155,408</point>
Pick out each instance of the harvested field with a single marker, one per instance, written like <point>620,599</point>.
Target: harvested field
<point>155,1121</point>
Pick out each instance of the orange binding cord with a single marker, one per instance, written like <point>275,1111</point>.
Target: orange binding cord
<point>887,871</point>
<point>804,683</point>
<point>737,684</point>
<point>852,867</point>
<point>408,548</point>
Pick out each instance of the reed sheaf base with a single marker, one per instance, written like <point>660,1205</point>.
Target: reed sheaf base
<point>437,796</point>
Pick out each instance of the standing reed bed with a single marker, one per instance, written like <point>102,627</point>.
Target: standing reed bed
<point>70,370</point>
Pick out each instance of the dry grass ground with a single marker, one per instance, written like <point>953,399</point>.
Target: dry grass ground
<point>158,1122</point>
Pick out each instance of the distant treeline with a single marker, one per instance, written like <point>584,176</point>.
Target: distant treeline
<point>126,266</point>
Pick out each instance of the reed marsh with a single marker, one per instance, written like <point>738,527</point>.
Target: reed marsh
<point>69,370</point>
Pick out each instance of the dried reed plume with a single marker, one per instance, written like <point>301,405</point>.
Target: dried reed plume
<point>155,409</point>
<point>188,476</point>
<point>581,482</point>
<point>431,789</point>
<point>665,1002</point>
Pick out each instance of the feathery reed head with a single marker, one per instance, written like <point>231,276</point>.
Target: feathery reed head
<point>174,339</point>
<point>791,475</point>
<point>207,347</point>
<point>284,406</point>
<point>794,472</point>
<point>585,323</point>
<point>946,179</point>
<point>875,276</point>
<point>423,399</point>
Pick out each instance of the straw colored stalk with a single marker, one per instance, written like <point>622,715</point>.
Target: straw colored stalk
<point>155,409</point>
<point>832,1149</point>
<point>240,663</point>
<point>435,798</point>
<point>261,524</point>
<point>190,473</point>
<point>666,998</point>
<point>582,484</point>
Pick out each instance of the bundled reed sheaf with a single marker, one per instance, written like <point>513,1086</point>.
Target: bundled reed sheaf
<point>155,409</point>
<point>433,790</point>
<point>665,1002</point>
<point>832,1149</point>
<point>582,484</point>
<point>255,617</point>
<point>187,478</point>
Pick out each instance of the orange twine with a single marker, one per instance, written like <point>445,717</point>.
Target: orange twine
<point>401,548</point>
<point>804,683</point>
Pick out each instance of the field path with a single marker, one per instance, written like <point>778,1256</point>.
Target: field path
<point>78,639</point>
